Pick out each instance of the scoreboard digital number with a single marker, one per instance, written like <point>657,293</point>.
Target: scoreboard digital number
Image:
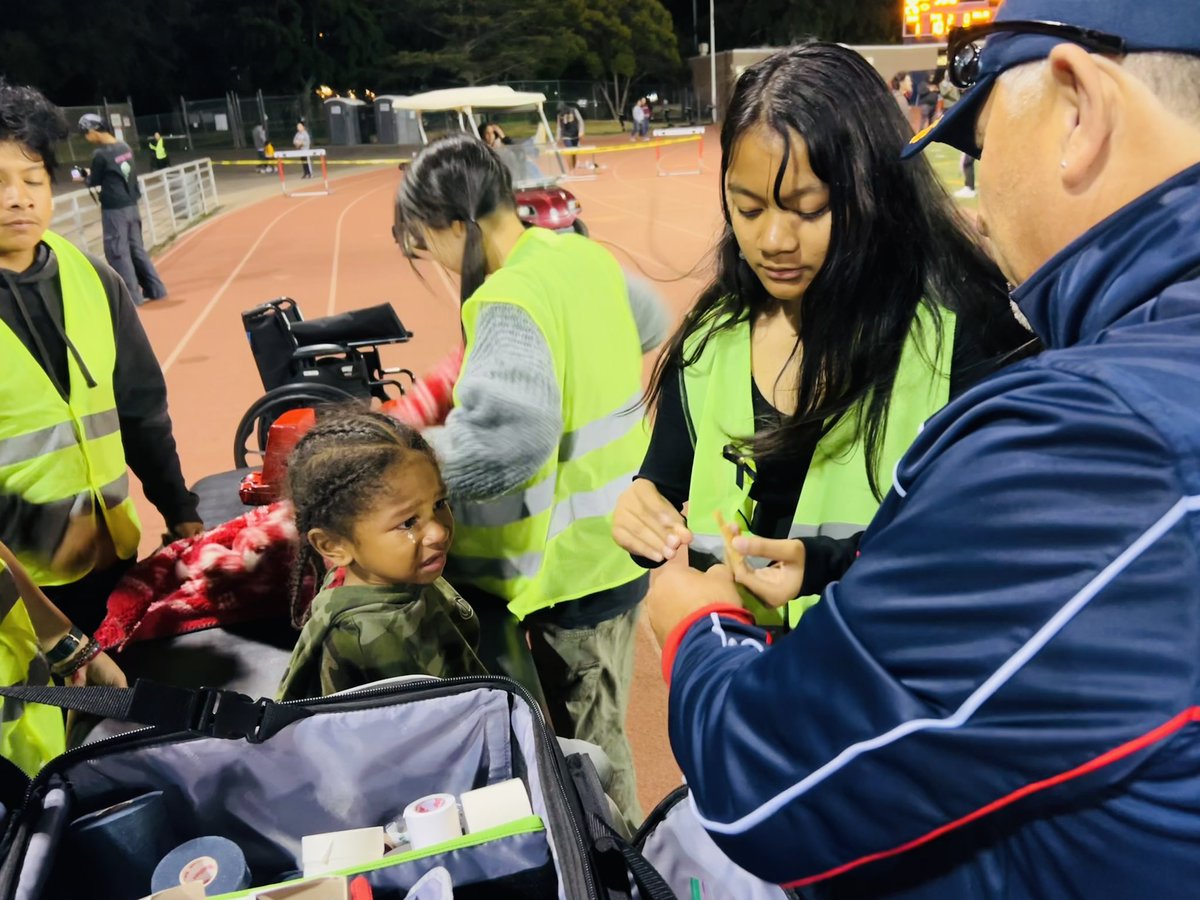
<point>932,20</point>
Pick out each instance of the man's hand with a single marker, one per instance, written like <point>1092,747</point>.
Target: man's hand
<point>79,547</point>
<point>187,530</point>
<point>647,525</point>
<point>780,582</point>
<point>677,592</point>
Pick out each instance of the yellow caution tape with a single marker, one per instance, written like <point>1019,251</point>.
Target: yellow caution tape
<point>565,151</point>
<point>328,162</point>
<point>624,148</point>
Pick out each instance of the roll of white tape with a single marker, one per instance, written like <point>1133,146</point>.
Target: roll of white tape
<point>495,805</point>
<point>324,853</point>
<point>432,820</point>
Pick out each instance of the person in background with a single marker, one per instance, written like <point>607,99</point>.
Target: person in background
<point>1001,698</point>
<point>113,172</point>
<point>161,159</point>
<point>641,126</point>
<point>927,100</point>
<point>544,434</point>
<point>494,135</point>
<point>302,140</point>
<point>569,128</point>
<point>259,135</point>
<point>901,85</point>
<point>950,95</point>
<point>82,399</point>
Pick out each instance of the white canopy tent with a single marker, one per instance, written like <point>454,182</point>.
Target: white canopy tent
<point>466,100</point>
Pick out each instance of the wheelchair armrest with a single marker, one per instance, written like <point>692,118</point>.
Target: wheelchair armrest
<point>318,350</point>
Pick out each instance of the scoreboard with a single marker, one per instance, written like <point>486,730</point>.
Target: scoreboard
<point>931,20</point>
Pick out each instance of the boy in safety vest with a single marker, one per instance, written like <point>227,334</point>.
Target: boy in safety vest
<point>82,400</point>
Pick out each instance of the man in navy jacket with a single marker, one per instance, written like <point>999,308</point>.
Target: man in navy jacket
<point>1001,697</point>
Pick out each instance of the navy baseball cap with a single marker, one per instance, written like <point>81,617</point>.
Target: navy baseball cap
<point>1035,28</point>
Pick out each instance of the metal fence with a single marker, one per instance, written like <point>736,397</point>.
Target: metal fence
<point>222,124</point>
<point>172,199</point>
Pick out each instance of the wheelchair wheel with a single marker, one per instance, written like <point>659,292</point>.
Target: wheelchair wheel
<point>251,436</point>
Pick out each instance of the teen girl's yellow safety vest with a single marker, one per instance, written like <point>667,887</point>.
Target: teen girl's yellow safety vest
<point>836,500</point>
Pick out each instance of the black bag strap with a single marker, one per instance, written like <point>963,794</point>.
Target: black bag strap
<point>606,839</point>
<point>651,884</point>
<point>210,712</point>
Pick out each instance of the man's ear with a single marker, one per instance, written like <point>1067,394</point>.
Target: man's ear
<point>332,547</point>
<point>1087,100</point>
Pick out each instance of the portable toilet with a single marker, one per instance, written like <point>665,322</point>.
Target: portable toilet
<point>342,113</point>
<point>396,126</point>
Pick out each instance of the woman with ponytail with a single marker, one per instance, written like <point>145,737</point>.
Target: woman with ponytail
<point>544,436</point>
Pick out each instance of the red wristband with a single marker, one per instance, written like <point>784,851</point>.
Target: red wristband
<point>675,638</point>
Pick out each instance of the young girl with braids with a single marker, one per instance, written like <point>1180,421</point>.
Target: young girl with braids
<point>370,502</point>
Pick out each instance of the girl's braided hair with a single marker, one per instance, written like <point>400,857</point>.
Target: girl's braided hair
<point>334,474</point>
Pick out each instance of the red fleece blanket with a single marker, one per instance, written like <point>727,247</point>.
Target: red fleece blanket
<point>238,572</point>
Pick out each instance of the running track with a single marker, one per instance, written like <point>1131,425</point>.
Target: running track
<point>335,253</point>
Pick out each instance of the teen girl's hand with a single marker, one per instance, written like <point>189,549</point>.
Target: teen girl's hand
<point>778,583</point>
<point>646,524</point>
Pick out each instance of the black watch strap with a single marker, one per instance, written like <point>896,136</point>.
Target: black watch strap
<point>63,650</point>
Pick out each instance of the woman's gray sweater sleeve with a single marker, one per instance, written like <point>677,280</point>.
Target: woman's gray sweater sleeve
<point>508,417</point>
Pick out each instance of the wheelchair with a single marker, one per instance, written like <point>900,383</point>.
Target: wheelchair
<point>307,362</point>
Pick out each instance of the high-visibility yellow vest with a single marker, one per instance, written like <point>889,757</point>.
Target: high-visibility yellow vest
<point>159,148</point>
<point>30,734</point>
<point>66,456</point>
<point>836,500</point>
<point>550,540</point>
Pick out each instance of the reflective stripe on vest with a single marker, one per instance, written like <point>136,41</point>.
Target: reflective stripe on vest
<point>836,500</point>
<point>65,457</point>
<point>30,734</point>
<point>550,540</point>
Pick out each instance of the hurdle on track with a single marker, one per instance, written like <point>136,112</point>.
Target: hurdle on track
<point>680,132</point>
<point>281,155</point>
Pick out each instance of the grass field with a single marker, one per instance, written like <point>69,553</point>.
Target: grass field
<point>945,162</point>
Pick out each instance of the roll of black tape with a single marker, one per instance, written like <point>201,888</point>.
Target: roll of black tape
<point>119,846</point>
<point>215,863</point>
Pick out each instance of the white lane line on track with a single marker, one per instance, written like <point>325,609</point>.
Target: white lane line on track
<point>337,247</point>
<point>187,236</point>
<point>216,298</point>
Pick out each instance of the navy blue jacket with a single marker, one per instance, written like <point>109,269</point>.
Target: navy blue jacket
<point>1002,696</point>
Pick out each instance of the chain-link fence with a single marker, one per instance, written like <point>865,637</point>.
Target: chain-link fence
<point>671,104</point>
<point>227,123</point>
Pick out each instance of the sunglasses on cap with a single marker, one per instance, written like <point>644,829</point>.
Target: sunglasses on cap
<point>965,46</point>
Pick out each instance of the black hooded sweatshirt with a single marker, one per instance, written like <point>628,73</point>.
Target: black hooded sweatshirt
<point>138,385</point>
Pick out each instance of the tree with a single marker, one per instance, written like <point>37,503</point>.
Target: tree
<point>482,41</point>
<point>784,22</point>
<point>626,40</point>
